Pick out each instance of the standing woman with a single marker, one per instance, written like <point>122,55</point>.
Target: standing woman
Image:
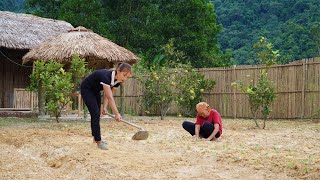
<point>108,81</point>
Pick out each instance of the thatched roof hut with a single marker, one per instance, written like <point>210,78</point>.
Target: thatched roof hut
<point>25,31</point>
<point>98,51</point>
<point>19,33</point>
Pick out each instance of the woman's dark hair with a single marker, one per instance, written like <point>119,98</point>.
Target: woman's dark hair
<point>123,67</point>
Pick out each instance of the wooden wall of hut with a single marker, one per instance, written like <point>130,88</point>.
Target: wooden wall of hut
<point>12,75</point>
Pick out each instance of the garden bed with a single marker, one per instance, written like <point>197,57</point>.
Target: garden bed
<point>33,149</point>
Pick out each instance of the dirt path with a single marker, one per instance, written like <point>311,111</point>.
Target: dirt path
<point>45,150</point>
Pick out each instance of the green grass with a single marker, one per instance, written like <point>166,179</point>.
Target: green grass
<point>14,121</point>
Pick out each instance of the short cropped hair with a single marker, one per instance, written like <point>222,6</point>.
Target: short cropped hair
<point>202,105</point>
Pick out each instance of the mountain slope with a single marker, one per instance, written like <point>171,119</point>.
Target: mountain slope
<point>291,25</point>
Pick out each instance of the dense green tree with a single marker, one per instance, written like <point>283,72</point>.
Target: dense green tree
<point>315,33</point>
<point>20,5</point>
<point>193,25</point>
<point>45,8</point>
<point>145,25</point>
<point>12,5</point>
<point>8,5</point>
<point>87,13</point>
<point>134,24</point>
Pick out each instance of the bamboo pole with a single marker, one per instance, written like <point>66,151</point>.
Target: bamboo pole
<point>234,94</point>
<point>31,100</point>
<point>122,100</point>
<point>31,93</point>
<point>79,104</point>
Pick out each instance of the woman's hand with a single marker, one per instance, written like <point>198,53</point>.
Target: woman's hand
<point>118,117</point>
<point>104,111</point>
<point>195,138</point>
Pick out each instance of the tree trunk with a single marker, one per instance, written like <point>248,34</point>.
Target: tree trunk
<point>254,113</point>
<point>161,112</point>
<point>264,122</point>
<point>41,99</point>
<point>255,120</point>
<point>57,116</point>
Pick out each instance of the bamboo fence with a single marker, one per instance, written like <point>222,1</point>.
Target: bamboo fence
<point>297,89</point>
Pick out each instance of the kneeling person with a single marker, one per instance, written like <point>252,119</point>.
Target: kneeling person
<point>208,124</point>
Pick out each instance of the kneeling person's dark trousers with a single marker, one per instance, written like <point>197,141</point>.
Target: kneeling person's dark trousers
<point>205,130</point>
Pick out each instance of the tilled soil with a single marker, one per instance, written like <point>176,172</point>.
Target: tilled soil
<point>47,150</point>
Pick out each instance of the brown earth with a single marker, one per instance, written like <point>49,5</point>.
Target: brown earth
<point>47,150</point>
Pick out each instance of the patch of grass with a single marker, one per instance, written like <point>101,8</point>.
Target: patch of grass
<point>226,147</point>
<point>306,161</point>
<point>14,121</point>
<point>292,165</point>
<point>257,147</point>
<point>73,126</point>
<point>306,169</point>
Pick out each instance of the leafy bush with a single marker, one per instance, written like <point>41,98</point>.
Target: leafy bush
<point>168,80</point>
<point>261,94</point>
<point>158,90</point>
<point>181,85</point>
<point>58,92</point>
<point>190,85</point>
<point>55,85</point>
<point>78,70</point>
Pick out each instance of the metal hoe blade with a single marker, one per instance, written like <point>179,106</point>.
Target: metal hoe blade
<point>140,135</point>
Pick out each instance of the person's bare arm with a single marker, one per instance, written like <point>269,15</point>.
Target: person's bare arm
<point>113,90</point>
<point>213,134</point>
<point>105,101</point>
<point>197,130</point>
<point>105,104</point>
<point>109,97</point>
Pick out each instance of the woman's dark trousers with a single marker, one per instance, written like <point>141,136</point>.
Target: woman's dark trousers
<point>93,102</point>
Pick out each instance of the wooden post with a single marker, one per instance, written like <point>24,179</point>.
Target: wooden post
<point>31,92</point>
<point>41,98</point>
<point>31,100</point>
<point>303,87</point>
<point>122,100</point>
<point>79,103</point>
<point>234,94</point>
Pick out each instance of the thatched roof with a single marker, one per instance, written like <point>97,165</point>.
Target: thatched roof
<point>83,42</point>
<point>25,31</point>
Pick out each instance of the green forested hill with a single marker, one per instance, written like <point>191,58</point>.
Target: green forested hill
<point>293,26</point>
<point>11,5</point>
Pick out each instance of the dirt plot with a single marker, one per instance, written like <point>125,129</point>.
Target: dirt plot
<point>31,149</point>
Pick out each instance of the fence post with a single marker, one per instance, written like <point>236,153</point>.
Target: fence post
<point>121,100</point>
<point>234,94</point>
<point>31,100</point>
<point>303,87</point>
